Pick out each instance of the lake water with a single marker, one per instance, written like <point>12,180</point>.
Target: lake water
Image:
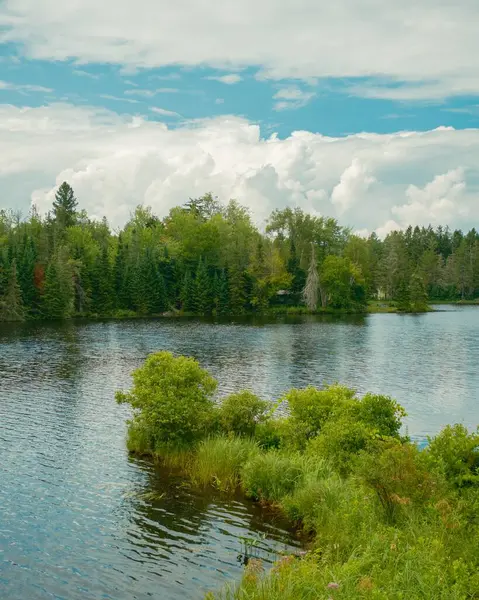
<point>80,519</point>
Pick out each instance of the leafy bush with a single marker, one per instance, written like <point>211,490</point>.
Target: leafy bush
<point>382,414</point>
<point>310,409</point>
<point>240,413</point>
<point>268,434</point>
<point>218,461</point>
<point>399,475</point>
<point>271,475</point>
<point>172,399</point>
<point>341,440</point>
<point>456,452</point>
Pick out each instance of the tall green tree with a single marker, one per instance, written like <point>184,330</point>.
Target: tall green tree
<point>65,205</point>
<point>11,304</point>
<point>58,296</point>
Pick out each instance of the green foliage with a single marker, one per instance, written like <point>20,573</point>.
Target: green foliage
<point>241,412</point>
<point>64,205</point>
<point>344,283</point>
<point>455,452</point>
<point>272,475</point>
<point>218,461</point>
<point>11,303</point>
<point>172,399</point>
<point>58,296</point>
<point>310,409</point>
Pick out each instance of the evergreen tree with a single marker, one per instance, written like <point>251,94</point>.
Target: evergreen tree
<point>297,273</point>
<point>102,284</point>
<point>11,304</point>
<point>187,293</point>
<point>236,291</point>
<point>58,297</point>
<point>65,205</point>
<point>26,275</point>
<point>203,302</point>
<point>417,293</point>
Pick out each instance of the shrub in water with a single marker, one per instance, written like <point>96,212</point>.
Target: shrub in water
<point>239,413</point>
<point>172,399</point>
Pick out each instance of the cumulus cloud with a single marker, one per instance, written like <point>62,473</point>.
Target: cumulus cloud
<point>439,201</point>
<point>114,162</point>
<point>353,184</point>
<point>407,41</point>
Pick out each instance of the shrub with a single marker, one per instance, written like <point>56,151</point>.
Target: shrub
<point>399,475</point>
<point>456,452</point>
<point>239,413</point>
<point>310,409</point>
<point>172,399</point>
<point>341,440</point>
<point>271,475</point>
<point>268,434</point>
<point>219,460</point>
<point>381,413</point>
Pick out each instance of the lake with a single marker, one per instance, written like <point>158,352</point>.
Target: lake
<point>81,519</point>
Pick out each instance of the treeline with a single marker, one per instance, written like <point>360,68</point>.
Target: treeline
<point>208,258</point>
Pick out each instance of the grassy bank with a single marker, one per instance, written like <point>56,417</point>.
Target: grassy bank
<point>387,520</point>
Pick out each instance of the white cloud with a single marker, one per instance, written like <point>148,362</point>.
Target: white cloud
<point>368,181</point>
<point>151,93</point>
<point>229,79</point>
<point>24,87</point>
<point>291,97</point>
<point>408,41</point>
<point>119,98</point>
<point>352,187</point>
<point>219,101</point>
<point>82,73</point>
<point>163,112</point>
<point>439,201</point>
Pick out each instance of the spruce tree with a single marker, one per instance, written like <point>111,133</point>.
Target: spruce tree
<point>102,284</point>
<point>236,291</point>
<point>65,205</point>
<point>418,293</point>
<point>58,297</point>
<point>11,304</point>
<point>26,275</point>
<point>203,292</point>
<point>187,293</point>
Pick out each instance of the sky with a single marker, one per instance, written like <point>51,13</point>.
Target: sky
<point>363,110</point>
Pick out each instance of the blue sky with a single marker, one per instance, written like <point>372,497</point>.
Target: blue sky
<point>326,106</point>
<point>176,99</point>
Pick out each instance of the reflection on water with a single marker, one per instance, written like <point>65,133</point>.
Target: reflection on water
<point>80,519</point>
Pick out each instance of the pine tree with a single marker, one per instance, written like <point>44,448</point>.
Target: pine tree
<point>11,305</point>
<point>187,293</point>
<point>311,288</point>
<point>26,275</point>
<point>297,273</point>
<point>203,303</point>
<point>58,297</point>
<point>236,291</point>
<point>65,205</point>
<point>418,293</point>
<point>102,284</point>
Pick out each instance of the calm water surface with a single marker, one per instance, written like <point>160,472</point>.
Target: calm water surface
<point>80,519</point>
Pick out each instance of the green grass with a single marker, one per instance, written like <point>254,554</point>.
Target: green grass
<point>218,461</point>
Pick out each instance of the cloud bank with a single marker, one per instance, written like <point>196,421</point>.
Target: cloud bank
<point>427,49</point>
<point>114,162</point>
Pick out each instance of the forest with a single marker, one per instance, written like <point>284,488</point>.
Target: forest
<point>208,258</point>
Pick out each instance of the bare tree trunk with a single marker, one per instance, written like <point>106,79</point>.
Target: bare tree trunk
<point>310,292</point>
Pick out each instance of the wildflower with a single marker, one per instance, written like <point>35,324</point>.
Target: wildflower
<point>333,586</point>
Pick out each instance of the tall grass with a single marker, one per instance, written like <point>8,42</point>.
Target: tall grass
<point>218,461</point>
